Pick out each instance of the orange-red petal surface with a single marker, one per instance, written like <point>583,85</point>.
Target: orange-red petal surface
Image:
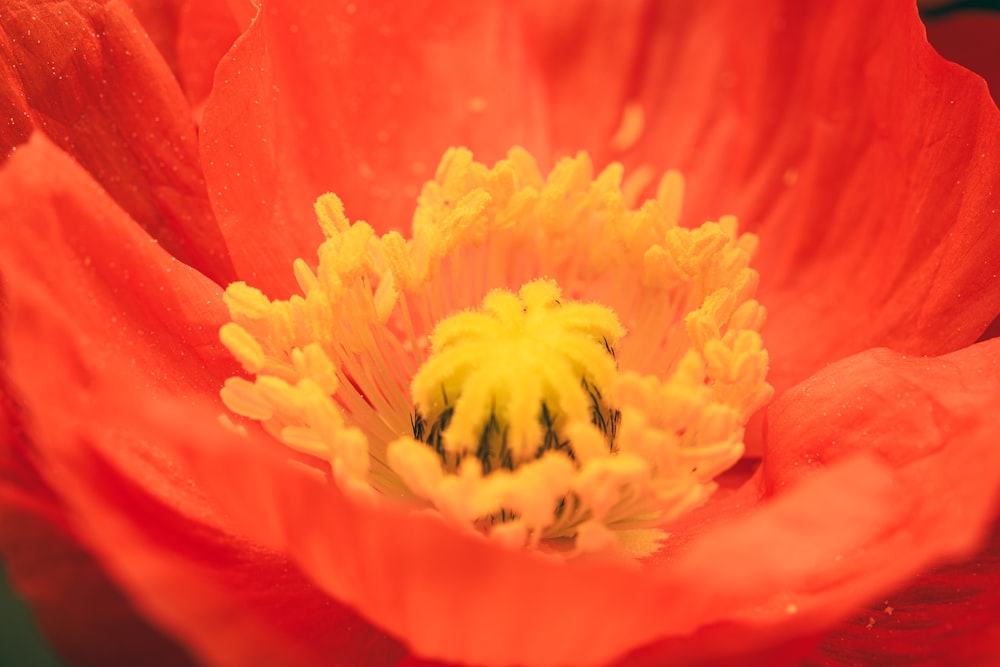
<point>944,618</point>
<point>360,99</point>
<point>932,419</point>
<point>73,601</point>
<point>85,74</point>
<point>161,21</point>
<point>89,295</point>
<point>192,36</point>
<point>208,29</point>
<point>865,161</point>
<point>831,537</point>
<point>112,348</point>
<point>458,598</point>
<point>129,305</point>
<point>232,603</point>
<point>591,56</point>
<point>907,244</point>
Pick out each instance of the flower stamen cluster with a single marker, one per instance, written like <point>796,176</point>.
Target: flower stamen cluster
<point>482,366</point>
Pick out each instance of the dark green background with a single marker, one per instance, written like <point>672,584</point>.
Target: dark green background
<point>21,644</point>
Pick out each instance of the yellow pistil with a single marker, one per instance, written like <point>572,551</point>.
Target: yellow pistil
<point>503,383</point>
<point>482,367</point>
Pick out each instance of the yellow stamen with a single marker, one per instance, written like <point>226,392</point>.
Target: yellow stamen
<point>482,367</point>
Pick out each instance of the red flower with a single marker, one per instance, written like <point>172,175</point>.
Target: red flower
<point>865,163</point>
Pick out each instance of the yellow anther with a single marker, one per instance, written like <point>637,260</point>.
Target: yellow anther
<point>242,398</point>
<point>330,213</point>
<point>670,195</point>
<point>243,300</point>
<point>480,366</point>
<point>243,346</point>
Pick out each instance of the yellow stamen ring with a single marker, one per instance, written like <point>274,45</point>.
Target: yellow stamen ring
<point>452,370</point>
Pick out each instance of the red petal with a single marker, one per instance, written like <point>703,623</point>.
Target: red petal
<point>361,100</point>
<point>232,602</point>
<point>83,280</point>
<point>207,31</point>
<point>992,331</point>
<point>456,597</point>
<point>89,294</point>
<point>929,418</point>
<point>835,534</point>
<point>933,420</point>
<point>161,21</point>
<point>70,257</point>
<point>690,655</point>
<point>73,601</point>
<point>102,403</point>
<point>75,604</point>
<point>13,107</point>
<point>865,161</point>
<point>192,36</point>
<point>590,56</point>
<point>244,11</point>
<point>971,39</point>
<point>947,617</point>
<point>90,79</point>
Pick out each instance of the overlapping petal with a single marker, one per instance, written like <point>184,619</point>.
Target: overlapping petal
<point>941,441</point>
<point>207,30</point>
<point>192,36</point>
<point>85,74</point>
<point>944,410</point>
<point>161,21</point>
<point>290,118</point>
<point>864,161</point>
<point>72,597</point>
<point>943,618</point>
<point>932,419</point>
<point>460,598</point>
<point>971,39</point>
<point>97,315</point>
<point>129,304</point>
<point>592,54</point>
<point>231,602</point>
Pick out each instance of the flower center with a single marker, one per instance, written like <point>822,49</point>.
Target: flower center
<point>481,367</point>
<point>506,382</point>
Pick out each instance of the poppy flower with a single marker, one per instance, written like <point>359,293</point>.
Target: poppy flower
<point>144,256</point>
